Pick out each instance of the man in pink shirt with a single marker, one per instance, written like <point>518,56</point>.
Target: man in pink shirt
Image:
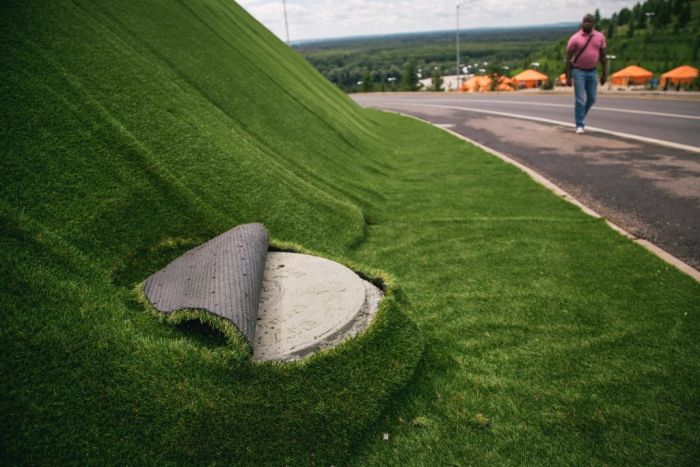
<point>585,50</point>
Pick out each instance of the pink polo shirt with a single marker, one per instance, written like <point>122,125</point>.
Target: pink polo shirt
<point>590,57</point>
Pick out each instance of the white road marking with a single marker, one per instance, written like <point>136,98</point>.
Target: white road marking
<point>644,139</point>
<point>597,107</point>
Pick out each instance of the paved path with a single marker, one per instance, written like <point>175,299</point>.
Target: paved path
<point>651,191</point>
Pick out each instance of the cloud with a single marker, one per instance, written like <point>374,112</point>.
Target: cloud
<point>332,18</point>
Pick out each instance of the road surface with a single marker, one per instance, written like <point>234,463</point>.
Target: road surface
<point>650,190</point>
<point>666,119</point>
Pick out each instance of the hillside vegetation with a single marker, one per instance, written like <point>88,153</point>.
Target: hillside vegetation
<point>656,34</point>
<point>516,330</point>
<point>380,62</point>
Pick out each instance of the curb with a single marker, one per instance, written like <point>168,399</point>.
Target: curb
<point>659,252</point>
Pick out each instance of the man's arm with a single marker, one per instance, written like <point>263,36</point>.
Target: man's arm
<point>604,62</point>
<point>569,56</point>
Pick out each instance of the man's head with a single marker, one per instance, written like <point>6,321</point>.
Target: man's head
<point>588,23</point>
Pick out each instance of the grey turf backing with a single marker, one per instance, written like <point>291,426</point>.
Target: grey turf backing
<point>223,276</point>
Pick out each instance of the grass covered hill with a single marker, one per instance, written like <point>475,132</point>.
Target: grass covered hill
<point>517,329</point>
<point>131,132</point>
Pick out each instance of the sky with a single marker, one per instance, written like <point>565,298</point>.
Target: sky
<point>319,19</point>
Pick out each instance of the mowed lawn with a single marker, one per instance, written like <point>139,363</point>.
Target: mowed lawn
<point>517,329</point>
<point>550,338</point>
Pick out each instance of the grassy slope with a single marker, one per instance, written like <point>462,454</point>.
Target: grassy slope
<point>575,345</point>
<point>131,133</point>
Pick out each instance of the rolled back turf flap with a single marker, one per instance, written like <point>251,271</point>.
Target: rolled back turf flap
<point>223,276</point>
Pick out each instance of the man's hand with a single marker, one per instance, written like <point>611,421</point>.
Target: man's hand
<point>603,79</point>
<point>568,81</point>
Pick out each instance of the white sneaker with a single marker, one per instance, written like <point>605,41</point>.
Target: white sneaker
<point>579,130</point>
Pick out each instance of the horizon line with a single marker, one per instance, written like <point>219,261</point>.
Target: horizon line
<point>435,31</point>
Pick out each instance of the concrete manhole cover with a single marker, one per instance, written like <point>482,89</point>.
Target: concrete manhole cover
<point>287,305</point>
<point>307,303</point>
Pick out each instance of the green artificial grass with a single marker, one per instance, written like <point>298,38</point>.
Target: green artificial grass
<point>204,326</point>
<point>133,131</point>
<point>550,338</point>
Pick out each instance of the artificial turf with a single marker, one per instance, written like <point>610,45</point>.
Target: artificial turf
<point>133,131</point>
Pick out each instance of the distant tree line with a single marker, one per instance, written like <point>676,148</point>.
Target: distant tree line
<point>382,63</point>
<point>657,14</point>
<point>656,34</point>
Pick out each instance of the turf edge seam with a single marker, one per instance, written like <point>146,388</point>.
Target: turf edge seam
<point>654,249</point>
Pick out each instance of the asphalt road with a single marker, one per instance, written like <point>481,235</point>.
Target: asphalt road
<point>671,120</point>
<point>650,190</point>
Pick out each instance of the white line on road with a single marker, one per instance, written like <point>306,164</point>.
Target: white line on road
<point>597,107</point>
<point>644,139</point>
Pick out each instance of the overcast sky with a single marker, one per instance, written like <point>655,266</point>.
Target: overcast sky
<point>316,19</point>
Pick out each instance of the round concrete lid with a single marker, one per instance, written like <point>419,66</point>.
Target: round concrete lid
<point>306,303</point>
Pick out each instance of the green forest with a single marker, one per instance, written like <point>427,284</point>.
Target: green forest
<point>380,62</point>
<point>655,34</point>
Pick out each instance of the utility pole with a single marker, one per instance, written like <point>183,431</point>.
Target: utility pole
<point>459,69</point>
<point>286,24</point>
<point>610,68</point>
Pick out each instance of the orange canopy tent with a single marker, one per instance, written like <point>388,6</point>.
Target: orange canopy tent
<point>504,88</point>
<point>682,75</point>
<point>483,84</point>
<point>477,84</point>
<point>505,84</point>
<point>632,74</point>
<point>530,79</point>
<point>469,85</point>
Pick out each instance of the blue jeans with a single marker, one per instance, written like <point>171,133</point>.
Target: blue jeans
<point>585,88</point>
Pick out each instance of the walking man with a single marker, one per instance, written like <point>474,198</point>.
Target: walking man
<point>585,50</point>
